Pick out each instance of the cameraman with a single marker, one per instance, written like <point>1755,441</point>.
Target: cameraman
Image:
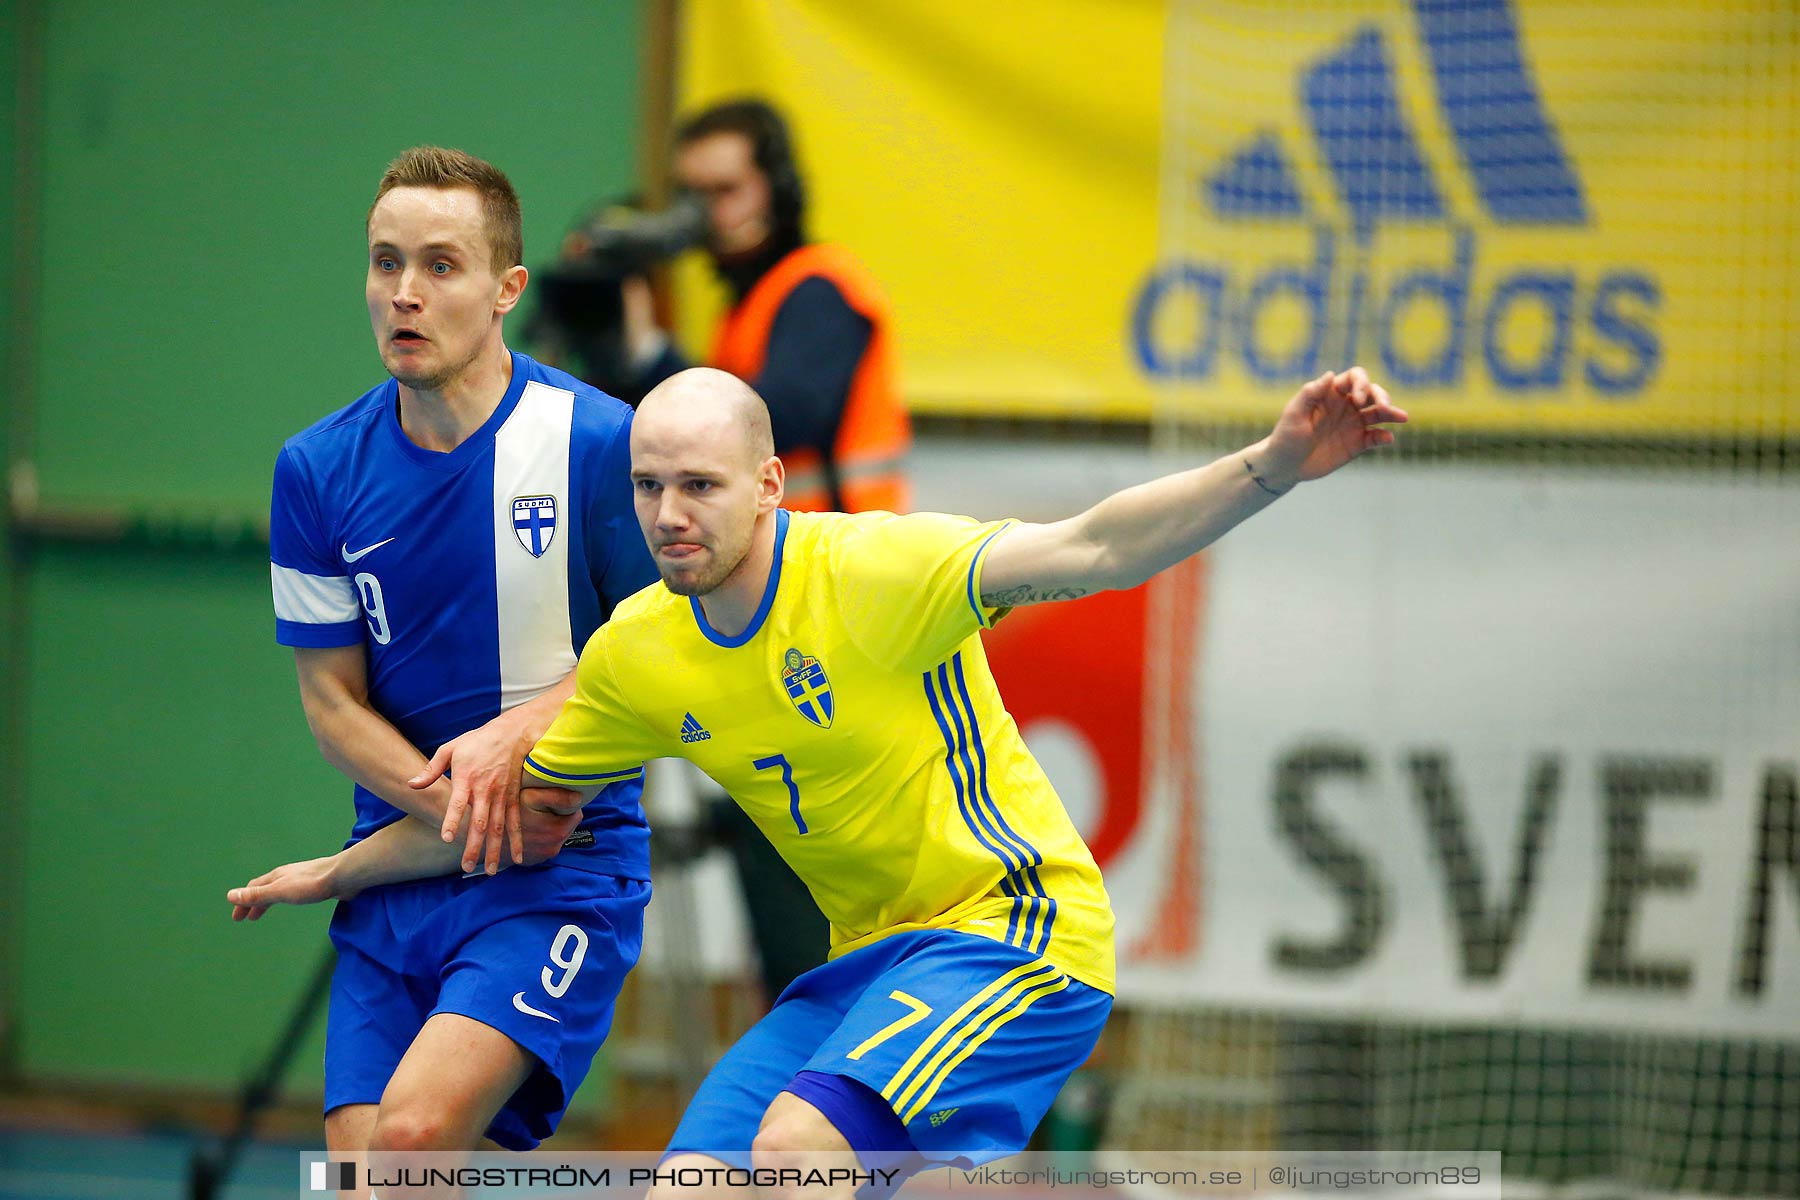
<point>809,328</point>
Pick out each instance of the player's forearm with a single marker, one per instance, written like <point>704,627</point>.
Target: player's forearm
<point>520,727</point>
<point>363,745</point>
<point>1151,527</point>
<point>408,849</point>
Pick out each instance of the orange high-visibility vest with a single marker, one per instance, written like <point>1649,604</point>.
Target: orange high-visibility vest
<point>874,433</point>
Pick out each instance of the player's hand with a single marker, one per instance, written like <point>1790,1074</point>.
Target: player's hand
<point>306,882</point>
<point>547,816</point>
<point>484,767</point>
<point>1329,421</point>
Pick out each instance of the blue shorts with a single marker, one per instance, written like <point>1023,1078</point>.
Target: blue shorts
<point>966,1039</point>
<point>537,953</point>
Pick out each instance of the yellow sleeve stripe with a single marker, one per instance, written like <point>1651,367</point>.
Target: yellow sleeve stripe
<point>543,772</point>
<point>981,615</point>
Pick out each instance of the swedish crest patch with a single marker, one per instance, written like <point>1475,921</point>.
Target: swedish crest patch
<point>804,678</point>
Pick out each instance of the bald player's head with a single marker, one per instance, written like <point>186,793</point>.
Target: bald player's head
<point>703,475</point>
<point>706,404</point>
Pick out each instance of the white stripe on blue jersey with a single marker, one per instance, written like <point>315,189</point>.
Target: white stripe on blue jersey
<point>312,599</point>
<point>531,461</point>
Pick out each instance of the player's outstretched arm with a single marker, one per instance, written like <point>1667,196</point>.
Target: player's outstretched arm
<point>406,849</point>
<point>1133,534</point>
<point>409,849</point>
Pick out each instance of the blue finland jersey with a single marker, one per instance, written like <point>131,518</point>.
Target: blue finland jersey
<point>472,578</point>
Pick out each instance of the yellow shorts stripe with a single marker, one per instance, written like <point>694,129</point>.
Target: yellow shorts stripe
<point>967,1028</point>
<point>987,1031</point>
<point>948,1025</point>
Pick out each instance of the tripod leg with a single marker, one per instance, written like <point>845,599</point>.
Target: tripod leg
<point>211,1166</point>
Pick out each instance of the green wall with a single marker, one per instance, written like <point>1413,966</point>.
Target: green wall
<point>204,173</point>
<point>11,791</point>
<point>169,760</point>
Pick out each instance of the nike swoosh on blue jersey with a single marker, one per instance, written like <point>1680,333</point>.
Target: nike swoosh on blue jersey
<point>350,558</point>
<point>519,1003</point>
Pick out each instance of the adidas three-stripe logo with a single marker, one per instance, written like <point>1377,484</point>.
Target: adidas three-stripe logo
<point>692,731</point>
<point>965,759</point>
<point>1370,152</point>
<point>1490,105</point>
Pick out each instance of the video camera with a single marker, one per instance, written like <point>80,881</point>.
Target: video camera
<point>580,311</point>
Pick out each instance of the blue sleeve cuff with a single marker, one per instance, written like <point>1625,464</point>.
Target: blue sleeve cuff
<point>543,772</point>
<point>975,563</point>
<point>299,633</point>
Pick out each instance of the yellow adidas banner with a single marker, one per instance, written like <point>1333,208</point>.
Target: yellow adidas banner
<point>1531,216</point>
<point>994,164</point>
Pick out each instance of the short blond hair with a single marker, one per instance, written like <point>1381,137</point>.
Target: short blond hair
<point>437,167</point>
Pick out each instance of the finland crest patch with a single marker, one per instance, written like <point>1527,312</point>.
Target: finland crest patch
<point>534,522</point>
<point>804,678</point>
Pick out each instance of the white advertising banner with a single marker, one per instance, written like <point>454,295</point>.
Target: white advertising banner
<point>1480,744</point>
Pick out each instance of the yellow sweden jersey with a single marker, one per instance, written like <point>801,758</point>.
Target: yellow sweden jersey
<point>857,722</point>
